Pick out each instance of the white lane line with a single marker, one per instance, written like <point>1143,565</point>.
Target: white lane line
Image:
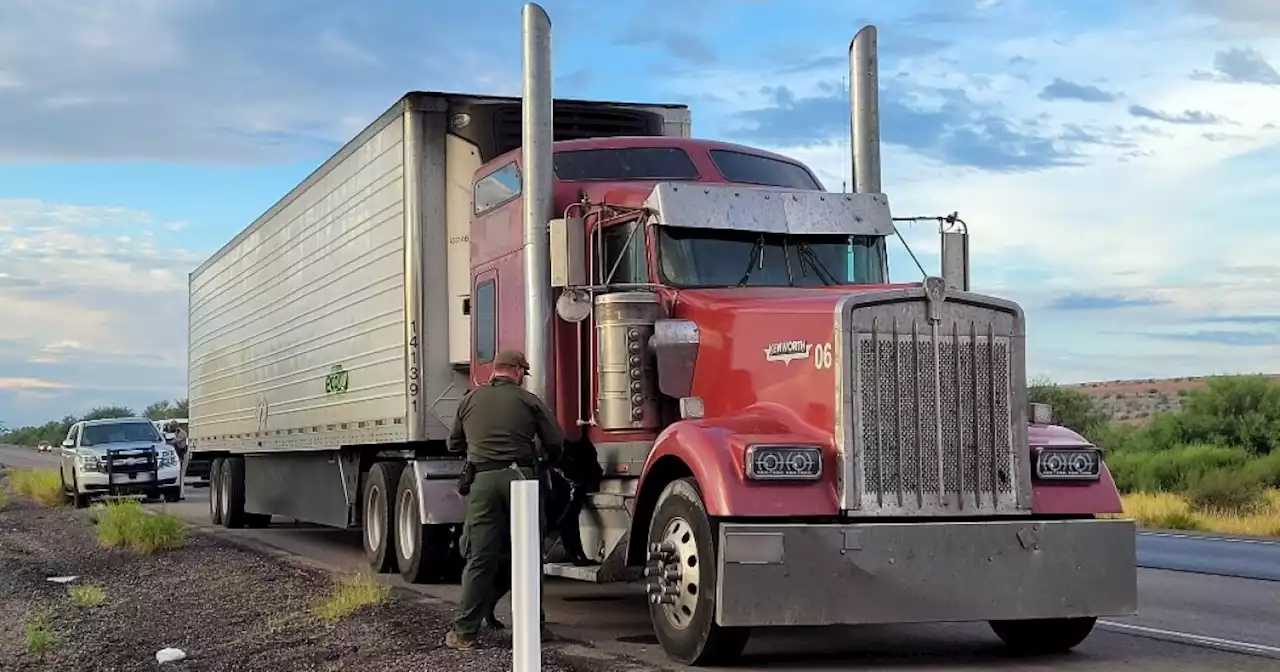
<point>1199,537</point>
<point>1186,637</point>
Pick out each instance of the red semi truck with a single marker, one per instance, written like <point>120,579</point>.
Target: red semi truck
<point>787,437</point>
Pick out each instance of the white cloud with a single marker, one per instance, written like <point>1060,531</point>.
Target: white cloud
<point>93,307</point>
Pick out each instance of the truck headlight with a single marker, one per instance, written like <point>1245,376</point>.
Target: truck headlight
<point>1068,464</point>
<point>784,463</point>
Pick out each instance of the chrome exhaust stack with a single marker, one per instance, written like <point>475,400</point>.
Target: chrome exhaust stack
<point>864,110</point>
<point>536,138</point>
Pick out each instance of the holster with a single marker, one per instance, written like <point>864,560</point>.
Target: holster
<point>466,478</point>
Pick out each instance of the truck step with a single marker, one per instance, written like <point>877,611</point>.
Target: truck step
<point>568,570</point>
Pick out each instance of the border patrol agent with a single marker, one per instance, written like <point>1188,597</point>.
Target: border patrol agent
<point>496,426</point>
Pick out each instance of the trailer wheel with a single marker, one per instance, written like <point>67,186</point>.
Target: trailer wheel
<point>378,512</point>
<point>1050,635</point>
<point>424,553</point>
<point>682,587</point>
<point>232,496</point>
<point>231,492</point>
<point>215,491</point>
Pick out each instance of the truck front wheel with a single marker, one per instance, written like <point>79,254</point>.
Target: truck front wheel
<point>424,553</point>
<point>682,580</point>
<point>1050,635</point>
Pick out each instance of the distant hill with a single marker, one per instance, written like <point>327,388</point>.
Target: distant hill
<point>1133,401</point>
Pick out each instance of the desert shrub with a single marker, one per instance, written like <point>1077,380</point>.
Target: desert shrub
<point>1235,411</point>
<point>1171,470</point>
<point>1266,469</point>
<point>1228,490</point>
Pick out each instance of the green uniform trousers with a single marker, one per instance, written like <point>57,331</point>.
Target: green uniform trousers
<point>486,545</point>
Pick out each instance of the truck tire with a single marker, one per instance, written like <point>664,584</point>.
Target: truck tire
<point>215,491</point>
<point>424,553</point>
<point>1050,635</point>
<point>377,515</point>
<point>682,538</point>
<point>231,493</point>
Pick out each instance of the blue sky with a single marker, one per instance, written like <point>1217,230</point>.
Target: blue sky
<point>1115,159</point>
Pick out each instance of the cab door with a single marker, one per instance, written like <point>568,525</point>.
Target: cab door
<point>484,325</point>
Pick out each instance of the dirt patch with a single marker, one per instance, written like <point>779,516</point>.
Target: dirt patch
<point>226,607</point>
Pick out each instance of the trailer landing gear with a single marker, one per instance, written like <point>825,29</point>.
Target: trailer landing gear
<point>682,581</point>
<point>1050,635</point>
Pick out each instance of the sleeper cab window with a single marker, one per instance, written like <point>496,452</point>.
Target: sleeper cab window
<point>497,188</point>
<point>484,317</point>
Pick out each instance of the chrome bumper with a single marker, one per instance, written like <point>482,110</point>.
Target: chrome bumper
<point>779,575</point>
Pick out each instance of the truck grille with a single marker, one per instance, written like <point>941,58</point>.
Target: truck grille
<point>935,434</point>
<point>130,461</point>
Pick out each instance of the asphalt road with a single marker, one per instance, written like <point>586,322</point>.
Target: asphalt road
<point>1195,613</point>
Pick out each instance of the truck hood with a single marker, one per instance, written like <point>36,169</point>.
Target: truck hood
<point>768,348</point>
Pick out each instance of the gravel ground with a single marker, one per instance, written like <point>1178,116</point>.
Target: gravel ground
<point>227,607</point>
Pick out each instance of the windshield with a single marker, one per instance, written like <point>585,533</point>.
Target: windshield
<point>719,258</point>
<point>119,432</point>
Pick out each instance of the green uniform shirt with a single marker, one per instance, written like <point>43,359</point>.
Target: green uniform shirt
<point>498,421</point>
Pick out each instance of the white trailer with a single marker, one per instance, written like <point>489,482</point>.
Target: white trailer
<point>323,374</point>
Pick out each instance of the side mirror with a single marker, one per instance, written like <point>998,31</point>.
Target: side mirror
<point>568,252</point>
<point>68,443</point>
<point>955,256</point>
<point>1041,414</point>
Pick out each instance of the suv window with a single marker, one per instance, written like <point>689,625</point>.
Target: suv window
<point>625,163</point>
<point>119,432</point>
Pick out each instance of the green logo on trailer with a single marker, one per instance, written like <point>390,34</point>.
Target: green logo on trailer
<point>336,381</point>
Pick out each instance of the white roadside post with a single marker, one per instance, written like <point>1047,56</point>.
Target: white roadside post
<point>526,578</point>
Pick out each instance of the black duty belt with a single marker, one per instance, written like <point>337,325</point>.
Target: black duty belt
<point>502,464</point>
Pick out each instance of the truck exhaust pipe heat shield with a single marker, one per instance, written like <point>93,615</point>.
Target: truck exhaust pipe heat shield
<point>536,140</point>
<point>864,111</point>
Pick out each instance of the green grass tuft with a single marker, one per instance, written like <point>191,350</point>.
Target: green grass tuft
<point>44,486</point>
<point>39,634</point>
<point>125,524</point>
<point>87,596</point>
<point>349,595</point>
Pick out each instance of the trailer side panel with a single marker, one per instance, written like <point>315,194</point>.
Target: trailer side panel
<point>297,328</point>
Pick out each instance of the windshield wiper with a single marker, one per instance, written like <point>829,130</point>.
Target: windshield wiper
<point>810,258</point>
<point>756,261</point>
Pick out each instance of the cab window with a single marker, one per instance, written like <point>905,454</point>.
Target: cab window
<point>624,254</point>
<point>497,188</point>
<point>484,316</point>
<point>625,163</point>
<point>763,170</point>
